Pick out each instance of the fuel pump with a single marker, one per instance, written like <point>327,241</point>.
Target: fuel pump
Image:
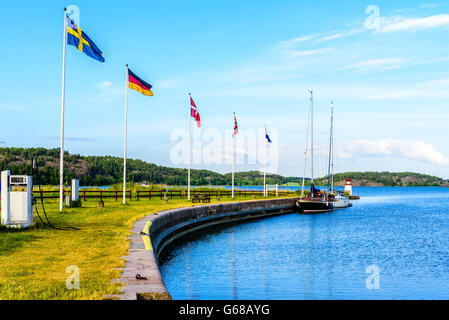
<point>17,200</point>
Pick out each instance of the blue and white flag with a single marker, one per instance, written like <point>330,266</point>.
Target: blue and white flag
<point>266,136</point>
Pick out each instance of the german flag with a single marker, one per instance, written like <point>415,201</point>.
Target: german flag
<point>138,84</point>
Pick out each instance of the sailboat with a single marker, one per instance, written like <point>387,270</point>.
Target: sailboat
<point>317,201</point>
<point>338,199</point>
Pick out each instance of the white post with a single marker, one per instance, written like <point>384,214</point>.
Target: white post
<point>233,162</point>
<point>277,190</point>
<point>126,135</point>
<point>61,160</point>
<point>190,147</point>
<point>265,192</point>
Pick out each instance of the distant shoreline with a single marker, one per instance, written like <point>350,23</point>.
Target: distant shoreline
<point>107,170</point>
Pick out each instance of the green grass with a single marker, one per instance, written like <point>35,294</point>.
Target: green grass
<point>33,262</point>
<point>291,184</point>
<point>13,239</point>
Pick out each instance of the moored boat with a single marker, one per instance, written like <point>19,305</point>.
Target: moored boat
<point>341,202</point>
<point>317,201</point>
<point>338,198</point>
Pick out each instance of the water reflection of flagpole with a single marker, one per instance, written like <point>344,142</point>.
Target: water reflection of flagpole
<point>310,275</point>
<point>233,285</point>
<point>188,272</point>
<point>330,263</point>
<point>265,260</point>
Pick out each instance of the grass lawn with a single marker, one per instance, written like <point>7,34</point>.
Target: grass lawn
<point>33,262</point>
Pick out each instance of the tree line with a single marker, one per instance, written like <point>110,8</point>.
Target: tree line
<point>107,170</point>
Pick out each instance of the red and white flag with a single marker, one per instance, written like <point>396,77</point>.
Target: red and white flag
<point>236,127</point>
<point>194,113</point>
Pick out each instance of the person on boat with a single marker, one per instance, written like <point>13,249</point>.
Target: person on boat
<point>314,192</point>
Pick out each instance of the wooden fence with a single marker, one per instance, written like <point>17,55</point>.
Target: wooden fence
<point>85,194</point>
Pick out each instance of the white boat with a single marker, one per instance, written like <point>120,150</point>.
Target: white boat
<point>341,202</point>
<point>338,199</point>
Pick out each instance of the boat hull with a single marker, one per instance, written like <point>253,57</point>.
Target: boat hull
<point>314,206</point>
<point>341,202</point>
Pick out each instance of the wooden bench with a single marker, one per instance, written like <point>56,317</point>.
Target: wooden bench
<point>198,198</point>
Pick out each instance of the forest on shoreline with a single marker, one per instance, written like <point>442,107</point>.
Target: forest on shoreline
<point>107,170</point>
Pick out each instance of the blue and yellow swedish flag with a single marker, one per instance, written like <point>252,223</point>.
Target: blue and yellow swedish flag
<point>76,37</point>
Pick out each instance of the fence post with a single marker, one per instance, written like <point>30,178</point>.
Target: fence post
<point>101,195</point>
<point>116,195</point>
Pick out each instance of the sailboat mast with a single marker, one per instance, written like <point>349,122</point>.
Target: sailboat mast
<point>305,155</point>
<point>330,163</point>
<point>311,131</point>
<point>332,146</point>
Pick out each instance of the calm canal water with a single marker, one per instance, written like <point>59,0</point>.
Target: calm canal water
<point>404,232</point>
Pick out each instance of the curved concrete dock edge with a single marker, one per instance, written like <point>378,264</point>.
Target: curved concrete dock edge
<point>153,233</point>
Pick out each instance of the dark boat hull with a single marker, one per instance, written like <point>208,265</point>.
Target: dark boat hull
<point>314,206</point>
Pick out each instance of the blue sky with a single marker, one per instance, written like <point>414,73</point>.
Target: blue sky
<point>389,82</point>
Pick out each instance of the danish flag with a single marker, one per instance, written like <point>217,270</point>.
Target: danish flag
<point>194,113</point>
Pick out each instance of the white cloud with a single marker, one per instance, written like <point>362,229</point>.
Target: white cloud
<point>435,89</point>
<point>398,23</point>
<point>291,42</point>
<point>304,53</point>
<point>340,35</point>
<point>13,107</point>
<point>395,95</point>
<point>439,83</point>
<point>378,64</point>
<point>414,150</point>
<point>105,84</point>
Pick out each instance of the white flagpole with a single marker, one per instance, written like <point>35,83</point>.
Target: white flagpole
<point>190,147</point>
<point>126,135</point>
<point>233,161</point>
<point>61,163</point>
<point>265,193</point>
